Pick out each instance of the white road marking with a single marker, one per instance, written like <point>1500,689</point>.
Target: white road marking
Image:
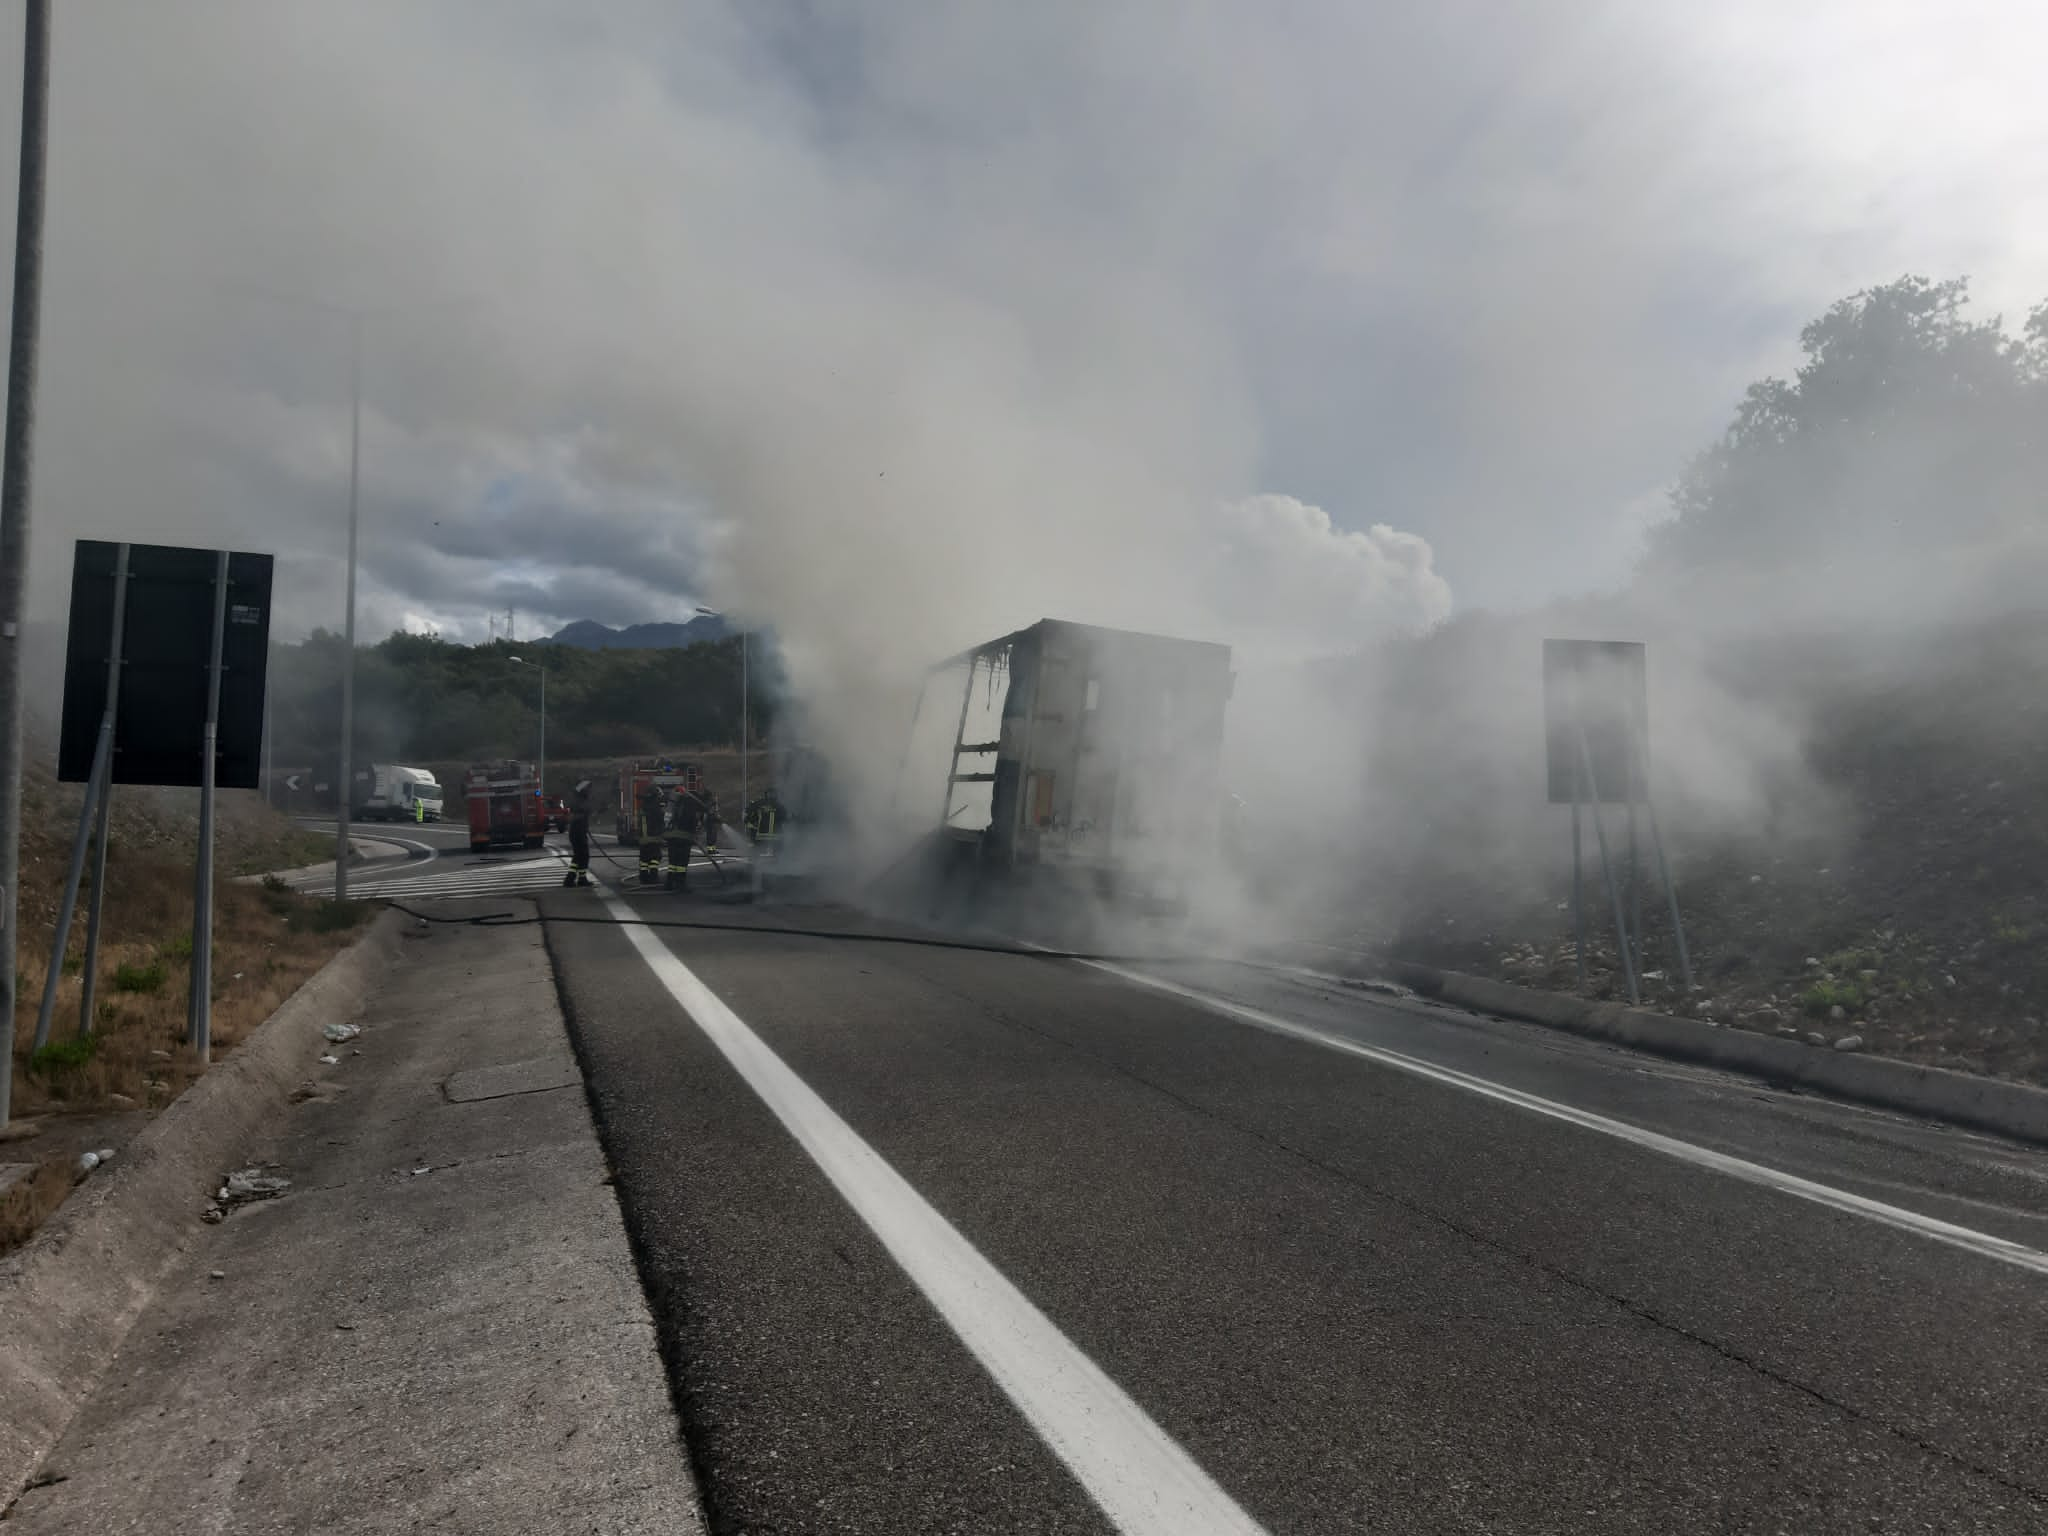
<point>1144,1482</point>
<point>408,880</point>
<point>1983,1244</point>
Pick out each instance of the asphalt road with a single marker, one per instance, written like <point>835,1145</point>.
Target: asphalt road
<point>431,834</point>
<point>435,862</point>
<point>953,1241</point>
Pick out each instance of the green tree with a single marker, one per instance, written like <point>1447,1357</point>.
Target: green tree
<point>1908,428</point>
<point>419,698</point>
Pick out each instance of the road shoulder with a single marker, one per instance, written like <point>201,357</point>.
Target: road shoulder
<point>1989,1104</point>
<point>437,1326</point>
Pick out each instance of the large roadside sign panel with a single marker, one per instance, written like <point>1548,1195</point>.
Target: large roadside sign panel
<point>1598,688</point>
<point>166,652</point>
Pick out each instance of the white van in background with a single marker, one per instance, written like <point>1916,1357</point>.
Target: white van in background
<point>399,793</point>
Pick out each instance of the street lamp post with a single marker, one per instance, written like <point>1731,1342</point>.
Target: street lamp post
<point>745,799</point>
<point>348,627</point>
<point>355,315</point>
<point>18,458</point>
<point>543,671</point>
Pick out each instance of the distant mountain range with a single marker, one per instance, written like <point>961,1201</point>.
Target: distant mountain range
<point>593,636</point>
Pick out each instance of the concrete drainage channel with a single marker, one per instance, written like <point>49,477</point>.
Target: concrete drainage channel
<point>69,1297</point>
<point>424,1225</point>
<point>1934,1093</point>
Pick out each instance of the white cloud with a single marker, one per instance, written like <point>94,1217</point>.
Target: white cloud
<point>949,317</point>
<point>1288,581</point>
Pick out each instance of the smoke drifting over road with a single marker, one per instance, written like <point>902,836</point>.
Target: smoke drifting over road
<point>896,327</point>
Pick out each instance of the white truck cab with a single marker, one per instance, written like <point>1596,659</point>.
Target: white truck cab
<point>399,793</point>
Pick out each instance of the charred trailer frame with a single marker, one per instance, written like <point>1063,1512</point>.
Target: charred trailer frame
<point>1102,757</point>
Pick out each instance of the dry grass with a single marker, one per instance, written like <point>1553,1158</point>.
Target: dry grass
<point>285,848</point>
<point>265,944</point>
<point>29,1203</point>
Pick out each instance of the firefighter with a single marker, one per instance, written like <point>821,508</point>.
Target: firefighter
<point>686,828</point>
<point>764,822</point>
<point>713,822</point>
<point>651,824</point>
<point>579,835</point>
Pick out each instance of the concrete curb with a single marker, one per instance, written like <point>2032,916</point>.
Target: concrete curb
<point>69,1296</point>
<point>1981,1103</point>
<point>356,847</point>
<point>390,849</point>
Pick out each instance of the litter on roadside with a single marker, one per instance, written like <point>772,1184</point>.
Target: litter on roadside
<point>330,1060</point>
<point>246,1184</point>
<point>340,1032</point>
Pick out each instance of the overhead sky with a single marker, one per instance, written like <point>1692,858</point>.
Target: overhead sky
<point>1292,320</point>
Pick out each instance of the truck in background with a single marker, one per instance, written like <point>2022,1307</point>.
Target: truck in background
<point>1084,757</point>
<point>394,792</point>
<point>504,806</point>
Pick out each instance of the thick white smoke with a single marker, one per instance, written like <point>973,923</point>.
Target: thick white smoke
<point>898,326</point>
<point>1290,583</point>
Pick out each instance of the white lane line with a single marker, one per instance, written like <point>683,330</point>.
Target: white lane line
<point>450,870</point>
<point>446,888</point>
<point>1145,1483</point>
<point>1983,1244</point>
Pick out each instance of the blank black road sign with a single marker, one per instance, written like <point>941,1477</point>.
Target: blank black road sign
<point>166,650</point>
<point>1599,686</point>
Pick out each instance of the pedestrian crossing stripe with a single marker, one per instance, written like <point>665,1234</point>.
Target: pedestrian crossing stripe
<point>445,878</point>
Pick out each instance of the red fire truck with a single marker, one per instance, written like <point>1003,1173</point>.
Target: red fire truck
<point>634,777</point>
<point>504,806</point>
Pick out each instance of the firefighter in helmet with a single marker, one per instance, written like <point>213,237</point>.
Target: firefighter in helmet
<point>764,822</point>
<point>651,821</point>
<point>686,826</point>
<point>579,835</point>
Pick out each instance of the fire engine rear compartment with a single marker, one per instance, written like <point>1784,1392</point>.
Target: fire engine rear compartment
<point>504,806</point>
<point>1089,753</point>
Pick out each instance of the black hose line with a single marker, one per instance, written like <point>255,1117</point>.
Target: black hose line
<point>514,920</point>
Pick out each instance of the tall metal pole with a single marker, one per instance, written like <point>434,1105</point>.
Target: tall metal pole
<point>60,940</point>
<point>1671,897</point>
<point>348,631</point>
<point>95,795</point>
<point>1628,964</point>
<point>16,466</point>
<point>263,772</point>
<point>1578,886</point>
<point>89,976</point>
<point>745,801</point>
<point>520,661</point>
<point>199,1009</point>
<point>1638,789</point>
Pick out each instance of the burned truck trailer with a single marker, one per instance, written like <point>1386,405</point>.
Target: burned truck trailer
<point>1087,752</point>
